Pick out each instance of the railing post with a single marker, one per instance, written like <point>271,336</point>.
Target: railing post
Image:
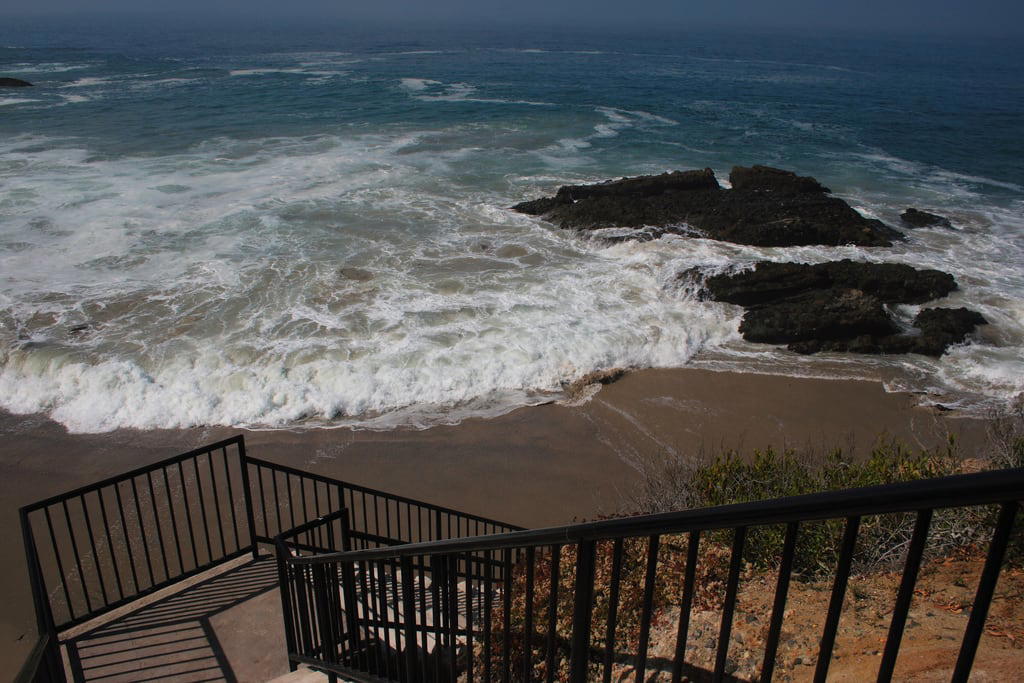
<point>286,601</point>
<point>328,648</point>
<point>250,519</point>
<point>581,613</point>
<point>348,587</point>
<point>44,612</point>
<point>409,615</point>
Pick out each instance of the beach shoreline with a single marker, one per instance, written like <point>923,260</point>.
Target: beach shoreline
<point>535,466</point>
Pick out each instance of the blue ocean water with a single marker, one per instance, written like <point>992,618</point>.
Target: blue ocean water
<point>214,224</point>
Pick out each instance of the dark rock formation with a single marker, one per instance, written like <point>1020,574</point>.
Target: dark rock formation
<point>14,83</point>
<point>922,219</point>
<point>840,306</point>
<point>889,282</point>
<point>824,314</point>
<point>765,207</point>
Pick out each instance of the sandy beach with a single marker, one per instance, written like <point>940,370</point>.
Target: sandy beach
<point>534,466</point>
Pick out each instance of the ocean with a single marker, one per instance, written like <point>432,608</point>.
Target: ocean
<point>308,226</point>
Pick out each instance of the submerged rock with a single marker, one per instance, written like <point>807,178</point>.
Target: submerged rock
<point>14,83</point>
<point>355,274</point>
<point>916,218</point>
<point>841,306</point>
<point>765,207</point>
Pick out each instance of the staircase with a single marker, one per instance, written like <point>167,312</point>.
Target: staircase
<point>378,587</point>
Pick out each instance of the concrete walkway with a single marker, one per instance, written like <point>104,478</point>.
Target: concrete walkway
<point>221,626</point>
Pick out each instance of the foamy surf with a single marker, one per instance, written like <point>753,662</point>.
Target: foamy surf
<point>322,236</point>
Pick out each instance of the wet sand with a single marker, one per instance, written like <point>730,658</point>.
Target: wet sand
<point>534,466</point>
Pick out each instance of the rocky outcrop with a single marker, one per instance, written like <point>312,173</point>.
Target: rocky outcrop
<point>841,306</point>
<point>916,218</point>
<point>765,207</point>
<point>889,282</point>
<point>14,83</point>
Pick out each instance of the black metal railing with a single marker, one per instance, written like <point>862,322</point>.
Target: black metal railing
<point>444,609</point>
<point>303,615</point>
<point>285,498</point>
<point>102,546</point>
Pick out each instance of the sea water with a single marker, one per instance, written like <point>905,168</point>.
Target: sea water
<point>309,226</point>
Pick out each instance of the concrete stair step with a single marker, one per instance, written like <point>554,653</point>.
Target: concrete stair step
<point>303,675</point>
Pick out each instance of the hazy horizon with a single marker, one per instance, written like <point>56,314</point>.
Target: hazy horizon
<point>915,17</point>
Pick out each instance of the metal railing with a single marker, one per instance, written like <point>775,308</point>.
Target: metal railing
<point>285,498</point>
<point>99,547</point>
<point>446,608</point>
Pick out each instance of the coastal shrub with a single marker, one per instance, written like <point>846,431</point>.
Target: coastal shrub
<point>672,483</point>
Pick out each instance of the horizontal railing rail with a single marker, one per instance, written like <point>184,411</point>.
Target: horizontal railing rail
<point>955,491</point>
<point>521,605</point>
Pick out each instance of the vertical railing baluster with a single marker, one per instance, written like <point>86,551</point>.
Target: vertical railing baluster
<point>291,502</point>
<point>366,602</point>
<point>436,579</point>
<point>729,606</point>
<point>124,532</point>
<point>582,612</point>
<point>550,657</point>
<point>286,603</point>
<point>396,607</point>
<point>231,499</point>
<point>528,617</point>
<point>77,555</point>
<point>95,555</point>
<point>263,501</point>
<point>216,504</point>
<point>686,605</point>
<point>250,516</point>
<point>188,516</point>
<point>174,521</point>
<point>60,564</point>
<point>835,607</point>
<point>110,544</point>
<point>986,588</point>
<point>905,595</point>
<point>469,617</point>
<point>202,510</point>
<point>650,576</point>
<point>409,612</point>
<point>488,602</point>
<point>305,504</point>
<point>613,609</point>
<point>348,585</point>
<point>156,521</point>
<point>771,646</point>
<point>424,633</point>
<point>506,616</point>
<point>277,502</point>
<point>142,532</point>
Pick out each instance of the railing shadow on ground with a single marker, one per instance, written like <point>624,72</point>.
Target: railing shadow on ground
<point>173,636</point>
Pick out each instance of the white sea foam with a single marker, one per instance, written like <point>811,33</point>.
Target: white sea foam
<point>418,84</point>
<point>44,67</point>
<point>206,305</point>
<point>10,101</point>
<point>329,280</point>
